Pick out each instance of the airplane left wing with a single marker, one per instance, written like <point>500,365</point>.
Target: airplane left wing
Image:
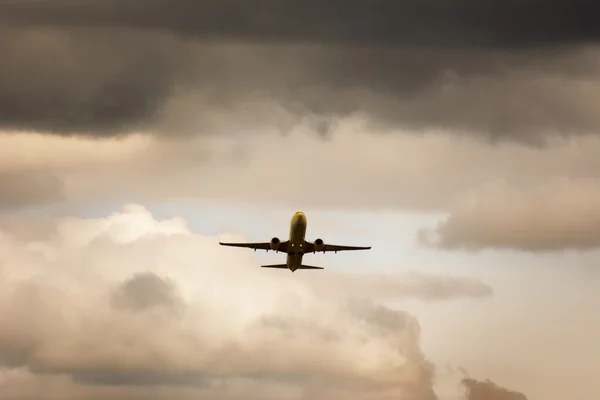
<point>257,246</point>
<point>311,247</point>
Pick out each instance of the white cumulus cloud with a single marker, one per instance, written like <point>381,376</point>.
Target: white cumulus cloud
<point>127,306</point>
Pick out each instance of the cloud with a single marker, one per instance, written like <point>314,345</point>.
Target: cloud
<point>20,188</point>
<point>126,306</point>
<point>397,285</point>
<point>488,390</point>
<point>100,83</point>
<point>464,23</point>
<point>146,291</point>
<point>432,173</point>
<point>522,72</point>
<point>529,199</point>
<point>562,214</point>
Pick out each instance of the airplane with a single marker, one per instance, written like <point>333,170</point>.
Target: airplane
<point>296,246</point>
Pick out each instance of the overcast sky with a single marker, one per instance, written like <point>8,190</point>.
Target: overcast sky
<point>459,139</point>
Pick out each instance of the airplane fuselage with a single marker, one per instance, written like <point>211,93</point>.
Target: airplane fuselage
<point>296,241</point>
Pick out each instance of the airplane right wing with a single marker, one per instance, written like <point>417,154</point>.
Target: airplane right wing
<point>314,247</point>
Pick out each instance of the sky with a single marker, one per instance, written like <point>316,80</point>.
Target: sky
<point>459,140</point>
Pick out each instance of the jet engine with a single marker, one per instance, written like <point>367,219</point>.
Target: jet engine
<point>319,245</point>
<point>275,242</point>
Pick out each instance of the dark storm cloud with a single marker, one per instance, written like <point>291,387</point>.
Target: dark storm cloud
<point>82,81</point>
<point>413,22</point>
<point>108,67</point>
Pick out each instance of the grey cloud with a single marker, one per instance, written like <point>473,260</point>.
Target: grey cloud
<point>84,81</point>
<point>461,23</point>
<point>146,291</point>
<point>385,320</point>
<point>488,390</point>
<point>27,228</point>
<point>412,284</point>
<point>28,310</point>
<point>416,65</point>
<point>22,385</point>
<point>142,378</point>
<point>21,188</point>
<point>562,214</point>
<point>291,326</point>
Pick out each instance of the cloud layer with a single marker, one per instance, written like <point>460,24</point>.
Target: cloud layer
<point>506,197</point>
<point>117,307</point>
<point>521,72</point>
<point>464,23</point>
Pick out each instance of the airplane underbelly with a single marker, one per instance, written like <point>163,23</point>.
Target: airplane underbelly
<point>294,261</point>
<point>297,233</point>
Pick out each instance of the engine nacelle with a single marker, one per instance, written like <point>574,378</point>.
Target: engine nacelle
<point>319,245</point>
<point>275,242</point>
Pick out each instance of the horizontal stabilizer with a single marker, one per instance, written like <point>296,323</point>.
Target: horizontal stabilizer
<point>284,266</point>
<point>309,267</point>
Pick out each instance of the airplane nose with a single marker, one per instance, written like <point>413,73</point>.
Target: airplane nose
<point>299,218</point>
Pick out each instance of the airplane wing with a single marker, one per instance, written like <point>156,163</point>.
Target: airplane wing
<point>310,248</point>
<point>256,246</point>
